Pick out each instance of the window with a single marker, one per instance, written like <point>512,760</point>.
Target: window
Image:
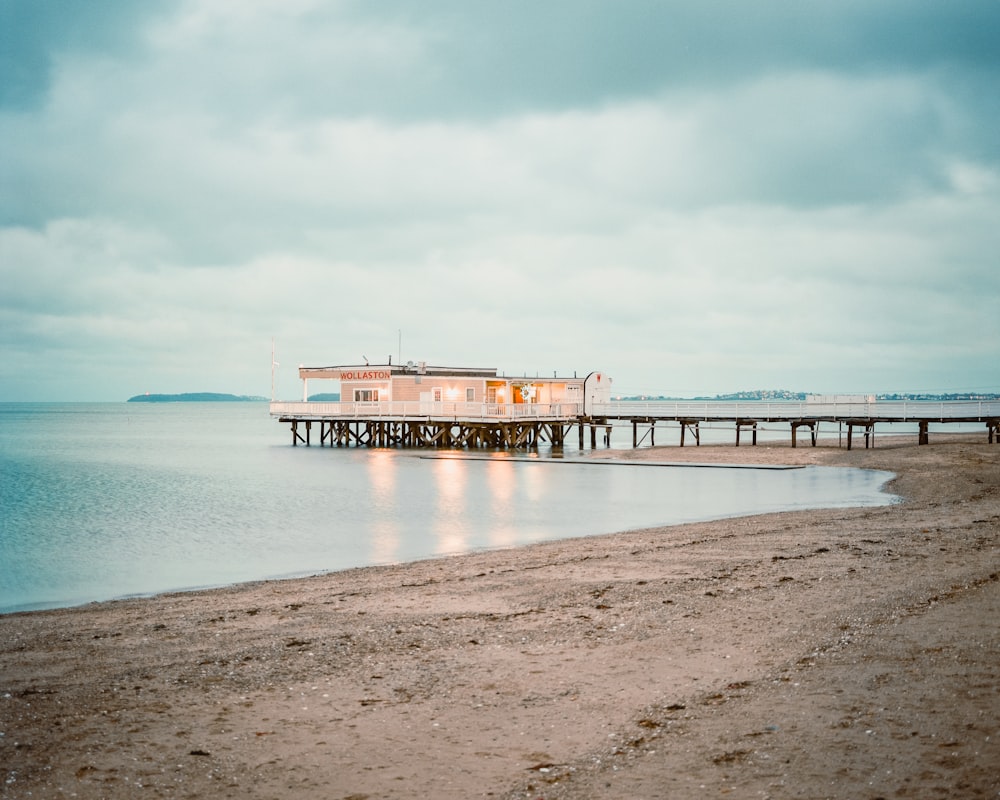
<point>470,395</point>
<point>366,395</point>
<point>436,394</point>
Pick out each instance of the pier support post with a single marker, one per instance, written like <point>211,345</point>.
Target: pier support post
<point>811,425</point>
<point>752,425</point>
<point>296,436</point>
<point>869,433</point>
<point>993,426</point>
<point>693,425</point>
<point>636,441</point>
<point>922,436</point>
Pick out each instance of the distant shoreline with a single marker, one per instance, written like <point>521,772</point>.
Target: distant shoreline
<point>195,397</point>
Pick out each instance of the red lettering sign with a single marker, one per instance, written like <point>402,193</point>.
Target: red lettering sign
<point>365,375</point>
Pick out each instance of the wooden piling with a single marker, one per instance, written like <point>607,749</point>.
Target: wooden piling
<point>751,425</point>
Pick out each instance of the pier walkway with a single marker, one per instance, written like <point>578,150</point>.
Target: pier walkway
<point>748,415</point>
<point>511,426</point>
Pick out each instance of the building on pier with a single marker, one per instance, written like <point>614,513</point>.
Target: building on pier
<point>430,385</point>
<point>419,405</point>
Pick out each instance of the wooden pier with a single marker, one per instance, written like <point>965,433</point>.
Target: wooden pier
<point>472,434</point>
<point>526,426</point>
<point>852,416</point>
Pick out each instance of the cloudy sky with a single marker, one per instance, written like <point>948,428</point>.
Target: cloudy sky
<point>696,197</point>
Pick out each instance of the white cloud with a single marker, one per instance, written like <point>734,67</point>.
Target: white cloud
<point>165,214</point>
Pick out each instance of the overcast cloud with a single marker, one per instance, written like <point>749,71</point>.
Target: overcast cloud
<point>695,197</point>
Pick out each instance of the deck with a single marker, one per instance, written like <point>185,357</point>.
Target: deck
<point>526,425</point>
<point>506,426</point>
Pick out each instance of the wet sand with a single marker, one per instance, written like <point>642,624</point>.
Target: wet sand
<point>847,653</point>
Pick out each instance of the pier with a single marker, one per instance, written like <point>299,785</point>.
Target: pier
<point>421,405</point>
<point>520,426</point>
<point>856,418</point>
<point>447,425</point>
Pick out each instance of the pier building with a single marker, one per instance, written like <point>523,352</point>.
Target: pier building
<point>418,405</point>
<point>430,385</point>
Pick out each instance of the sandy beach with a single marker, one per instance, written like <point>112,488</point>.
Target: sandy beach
<point>846,653</point>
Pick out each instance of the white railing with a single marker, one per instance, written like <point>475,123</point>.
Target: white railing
<point>701,410</point>
<point>430,410</point>
<point>757,409</point>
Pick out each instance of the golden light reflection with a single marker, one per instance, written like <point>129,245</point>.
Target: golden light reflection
<point>502,481</point>
<point>535,480</point>
<point>384,531</point>
<point>450,476</point>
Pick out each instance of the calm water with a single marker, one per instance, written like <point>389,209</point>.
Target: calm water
<point>108,500</point>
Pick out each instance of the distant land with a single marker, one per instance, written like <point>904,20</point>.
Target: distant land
<point>785,394</point>
<point>195,397</point>
<point>745,396</point>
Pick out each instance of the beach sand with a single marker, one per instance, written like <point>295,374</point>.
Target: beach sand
<point>847,653</point>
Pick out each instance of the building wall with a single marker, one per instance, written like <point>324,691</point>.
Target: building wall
<point>453,389</point>
<point>393,386</point>
<point>420,388</point>
<point>598,388</point>
<point>347,389</point>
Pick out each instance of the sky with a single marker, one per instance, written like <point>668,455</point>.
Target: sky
<point>693,197</point>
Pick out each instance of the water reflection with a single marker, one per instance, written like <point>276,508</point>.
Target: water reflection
<point>501,477</point>
<point>182,496</point>
<point>384,525</point>
<point>449,525</point>
<point>535,482</point>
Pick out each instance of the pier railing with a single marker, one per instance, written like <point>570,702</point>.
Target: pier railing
<point>426,410</point>
<point>878,411</point>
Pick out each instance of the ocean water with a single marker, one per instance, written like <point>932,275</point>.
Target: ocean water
<point>99,501</point>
